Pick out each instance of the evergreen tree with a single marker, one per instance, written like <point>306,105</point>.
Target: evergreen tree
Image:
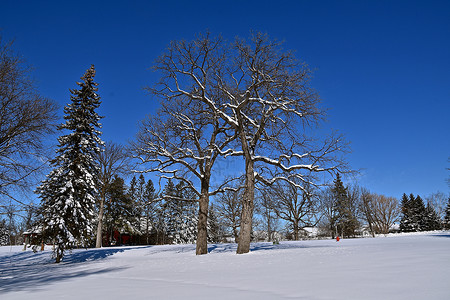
<point>68,193</point>
<point>414,214</point>
<point>446,222</point>
<point>4,233</point>
<point>119,214</point>
<point>346,222</point>
<point>406,224</point>
<point>150,210</point>
<point>432,221</point>
<point>140,203</point>
<point>169,209</point>
<point>418,213</point>
<point>181,213</point>
<point>215,232</point>
<point>132,191</point>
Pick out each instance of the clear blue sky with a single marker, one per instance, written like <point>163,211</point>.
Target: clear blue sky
<point>382,67</point>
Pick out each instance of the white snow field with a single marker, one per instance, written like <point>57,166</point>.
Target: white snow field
<point>395,267</point>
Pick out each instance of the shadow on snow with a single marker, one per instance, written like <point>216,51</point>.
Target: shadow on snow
<point>263,246</point>
<point>30,271</point>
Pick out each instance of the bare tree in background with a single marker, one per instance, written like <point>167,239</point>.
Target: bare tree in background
<point>26,118</point>
<point>229,205</point>
<point>379,211</point>
<point>386,212</point>
<point>367,209</point>
<point>263,95</point>
<point>329,211</point>
<point>266,207</point>
<point>438,201</point>
<point>297,206</point>
<point>113,161</point>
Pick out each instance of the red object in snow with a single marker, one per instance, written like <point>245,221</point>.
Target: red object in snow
<point>337,239</point>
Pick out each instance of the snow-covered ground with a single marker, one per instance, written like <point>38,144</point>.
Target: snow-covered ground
<point>395,267</point>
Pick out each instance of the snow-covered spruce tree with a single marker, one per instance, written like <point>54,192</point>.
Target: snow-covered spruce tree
<point>414,214</point>
<point>69,192</point>
<point>180,213</point>
<point>418,213</point>
<point>136,194</point>
<point>446,222</point>
<point>432,221</point>
<point>150,210</point>
<point>406,220</point>
<point>119,212</point>
<point>215,230</point>
<point>4,233</point>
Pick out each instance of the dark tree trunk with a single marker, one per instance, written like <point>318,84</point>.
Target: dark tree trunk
<point>247,209</point>
<point>296,232</point>
<point>202,225</point>
<point>59,254</point>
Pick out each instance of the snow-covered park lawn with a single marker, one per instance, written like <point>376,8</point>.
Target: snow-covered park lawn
<point>413,266</point>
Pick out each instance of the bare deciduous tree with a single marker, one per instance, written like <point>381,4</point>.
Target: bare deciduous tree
<point>329,211</point>
<point>261,95</point>
<point>438,201</point>
<point>25,119</point>
<point>113,161</point>
<point>229,207</point>
<point>185,138</point>
<point>366,209</point>
<point>266,208</point>
<point>386,211</point>
<point>379,211</point>
<point>296,206</point>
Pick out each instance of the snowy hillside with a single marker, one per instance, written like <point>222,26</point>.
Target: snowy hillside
<point>396,267</point>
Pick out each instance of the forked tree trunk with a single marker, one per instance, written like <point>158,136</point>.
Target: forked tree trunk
<point>247,209</point>
<point>202,224</point>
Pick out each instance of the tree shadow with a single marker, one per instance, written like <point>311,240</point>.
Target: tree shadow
<point>262,246</point>
<point>442,235</point>
<point>31,271</point>
<point>222,248</point>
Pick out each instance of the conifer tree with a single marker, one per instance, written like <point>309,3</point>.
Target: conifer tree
<point>214,229</point>
<point>347,222</point>
<point>432,221</point>
<point>446,222</point>
<point>140,202</point>
<point>414,214</point>
<point>4,235</point>
<point>418,213</point>
<point>132,191</point>
<point>150,209</point>
<point>68,193</point>
<point>120,210</point>
<point>406,221</point>
<point>180,208</point>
